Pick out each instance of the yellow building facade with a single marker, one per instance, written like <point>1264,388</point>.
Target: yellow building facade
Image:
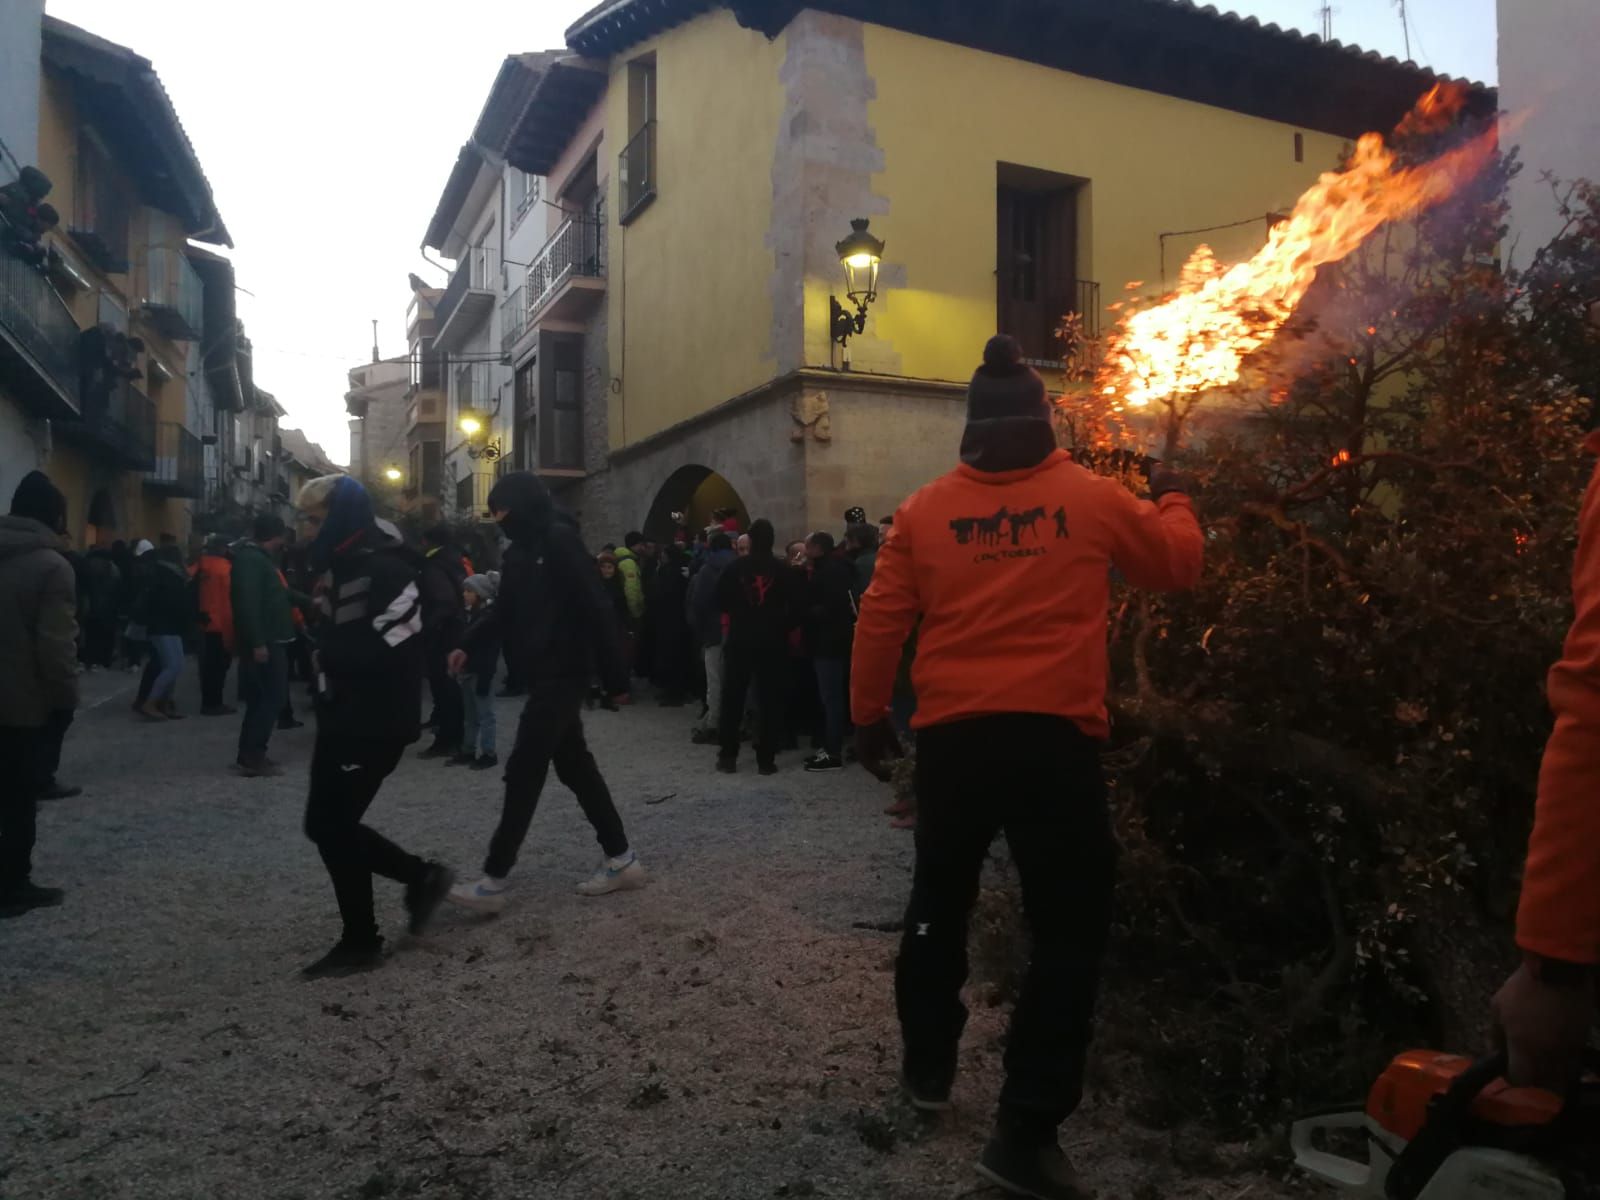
<point>1014,181</point>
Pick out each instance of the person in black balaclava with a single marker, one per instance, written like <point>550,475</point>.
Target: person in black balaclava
<point>557,623</point>
<point>368,661</point>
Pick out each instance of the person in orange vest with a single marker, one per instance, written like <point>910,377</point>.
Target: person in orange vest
<point>1007,561</point>
<point>213,584</point>
<point>1547,1008</point>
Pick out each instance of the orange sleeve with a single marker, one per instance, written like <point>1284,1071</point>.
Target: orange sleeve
<point>1157,546</point>
<point>889,612</point>
<point>1559,916</point>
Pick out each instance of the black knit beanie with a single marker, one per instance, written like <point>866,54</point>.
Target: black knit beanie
<point>37,498</point>
<point>1004,386</point>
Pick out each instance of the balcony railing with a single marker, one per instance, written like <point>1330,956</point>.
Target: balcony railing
<point>120,422</point>
<point>637,163</point>
<point>513,317</point>
<point>470,293</point>
<point>174,298</point>
<point>37,336</point>
<point>576,250</point>
<point>180,464</point>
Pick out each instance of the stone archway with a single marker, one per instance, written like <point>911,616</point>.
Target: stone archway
<point>695,491</point>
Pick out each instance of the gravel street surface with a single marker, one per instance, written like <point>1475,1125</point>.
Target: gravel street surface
<point>726,1032</point>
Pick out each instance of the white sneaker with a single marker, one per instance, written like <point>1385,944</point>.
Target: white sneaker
<point>614,875</point>
<point>487,895</point>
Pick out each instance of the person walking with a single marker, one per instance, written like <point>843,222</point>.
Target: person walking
<point>759,595</point>
<point>368,659</point>
<point>443,619</point>
<point>1010,677</point>
<point>478,593</point>
<point>830,628</point>
<point>553,611</point>
<point>167,621</point>
<point>38,644</point>
<point>101,602</point>
<point>263,627</point>
<point>706,619</point>
<point>213,584</point>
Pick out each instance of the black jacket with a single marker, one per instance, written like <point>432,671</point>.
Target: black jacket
<point>369,642</point>
<point>102,586</point>
<point>167,611</point>
<point>483,650</point>
<point>443,614</point>
<point>831,608</point>
<point>555,618</point>
<point>761,596</point>
<point>705,614</point>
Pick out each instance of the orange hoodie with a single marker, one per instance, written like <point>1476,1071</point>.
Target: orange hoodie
<point>1010,573</point>
<point>214,574</point>
<point>1559,916</point>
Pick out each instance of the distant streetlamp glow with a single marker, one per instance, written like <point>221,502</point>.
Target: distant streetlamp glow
<point>392,474</point>
<point>470,425</point>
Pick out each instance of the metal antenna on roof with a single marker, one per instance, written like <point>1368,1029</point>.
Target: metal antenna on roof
<point>1325,13</point>
<point>374,339</point>
<point>1405,27</point>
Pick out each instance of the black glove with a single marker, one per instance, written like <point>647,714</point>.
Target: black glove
<point>1164,479</point>
<point>877,747</point>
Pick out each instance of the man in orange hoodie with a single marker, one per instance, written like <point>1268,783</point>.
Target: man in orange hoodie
<point>213,582</point>
<point>1006,561</point>
<point>1545,1010</point>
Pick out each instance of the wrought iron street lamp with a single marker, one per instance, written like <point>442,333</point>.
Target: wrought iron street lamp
<point>472,424</point>
<point>860,254</point>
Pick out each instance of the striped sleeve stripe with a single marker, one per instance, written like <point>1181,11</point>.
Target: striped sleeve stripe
<point>402,619</point>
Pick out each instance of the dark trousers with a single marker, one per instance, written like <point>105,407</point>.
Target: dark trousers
<point>346,774</point>
<point>147,679</point>
<point>446,692</point>
<point>834,689</point>
<point>51,738</point>
<point>550,734</point>
<point>514,683</point>
<point>19,795</point>
<point>1038,779</point>
<point>100,641</point>
<point>768,669</point>
<point>263,688</point>
<point>214,662</point>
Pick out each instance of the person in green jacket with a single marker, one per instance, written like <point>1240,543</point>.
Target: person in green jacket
<point>263,628</point>
<point>632,577</point>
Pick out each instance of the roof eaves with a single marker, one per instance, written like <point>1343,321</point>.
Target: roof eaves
<point>567,92</point>
<point>456,190</point>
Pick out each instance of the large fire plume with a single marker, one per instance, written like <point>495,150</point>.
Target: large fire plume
<point>1198,338</point>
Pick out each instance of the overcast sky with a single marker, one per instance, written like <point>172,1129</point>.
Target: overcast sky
<point>328,127</point>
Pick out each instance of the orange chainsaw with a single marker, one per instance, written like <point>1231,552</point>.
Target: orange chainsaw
<point>1443,1127</point>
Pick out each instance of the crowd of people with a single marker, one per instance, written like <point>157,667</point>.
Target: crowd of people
<point>979,621</point>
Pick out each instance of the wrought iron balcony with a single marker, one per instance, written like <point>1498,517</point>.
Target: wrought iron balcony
<point>180,463</point>
<point>118,421</point>
<point>174,297</point>
<point>38,338</point>
<point>637,165</point>
<point>567,277</point>
<point>469,295</point>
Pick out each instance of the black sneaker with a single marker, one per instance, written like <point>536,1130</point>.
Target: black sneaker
<point>438,749</point>
<point>928,1091</point>
<point>704,737</point>
<point>1025,1168</point>
<point>767,768</point>
<point>346,958</point>
<point>424,897</point>
<point>27,896</point>
<point>484,761</point>
<point>727,766</point>
<point>464,759</point>
<point>58,791</point>
<point>823,761</point>
<point>290,723</point>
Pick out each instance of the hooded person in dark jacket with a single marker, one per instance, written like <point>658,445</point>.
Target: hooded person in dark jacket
<point>443,619</point>
<point>558,624</point>
<point>759,594</point>
<point>368,661</point>
<point>705,618</point>
<point>38,645</point>
<point>830,627</point>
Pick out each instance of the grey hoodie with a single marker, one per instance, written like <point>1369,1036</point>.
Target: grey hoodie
<point>38,625</point>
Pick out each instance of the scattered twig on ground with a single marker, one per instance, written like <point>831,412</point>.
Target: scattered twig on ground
<point>662,799</point>
<point>122,1091</point>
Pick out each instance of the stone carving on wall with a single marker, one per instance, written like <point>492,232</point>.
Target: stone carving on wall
<point>810,413</point>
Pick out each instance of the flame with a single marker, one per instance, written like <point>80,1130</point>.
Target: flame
<point>1198,338</point>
